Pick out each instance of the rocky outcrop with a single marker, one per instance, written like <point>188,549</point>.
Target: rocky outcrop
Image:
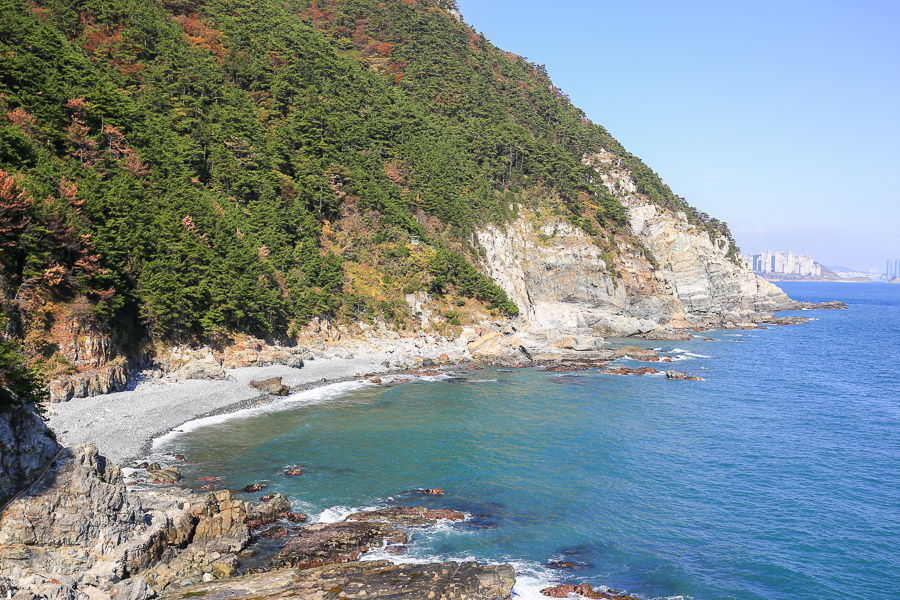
<point>26,445</point>
<point>329,543</point>
<point>564,282</point>
<point>102,380</point>
<point>417,516</point>
<point>370,580</point>
<point>79,533</point>
<point>251,352</point>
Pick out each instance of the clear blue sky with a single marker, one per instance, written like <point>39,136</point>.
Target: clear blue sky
<point>781,118</point>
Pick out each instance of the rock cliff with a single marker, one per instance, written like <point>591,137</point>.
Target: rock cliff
<point>26,445</point>
<point>561,280</point>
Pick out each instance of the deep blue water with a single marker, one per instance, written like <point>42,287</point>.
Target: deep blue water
<point>776,477</point>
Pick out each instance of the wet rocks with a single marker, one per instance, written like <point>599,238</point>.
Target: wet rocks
<point>272,508</point>
<point>618,370</point>
<point>682,376</point>
<point>254,487</point>
<point>330,543</point>
<point>834,305</point>
<point>418,516</point>
<point>584,590</point>
<point>293,470</point>
<point>635,353</point>
<point>434,492</point>
<point>271,386</point>
<point>370,579</point>
<point>165,476</point>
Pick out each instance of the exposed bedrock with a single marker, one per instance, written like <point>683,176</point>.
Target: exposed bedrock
<point>370,579</point>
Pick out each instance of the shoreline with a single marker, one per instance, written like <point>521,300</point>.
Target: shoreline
<point>125,425</point>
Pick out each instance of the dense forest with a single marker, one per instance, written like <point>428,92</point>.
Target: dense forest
<point>189,170</point>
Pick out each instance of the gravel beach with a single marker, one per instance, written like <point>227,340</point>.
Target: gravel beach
<point>123,424</point>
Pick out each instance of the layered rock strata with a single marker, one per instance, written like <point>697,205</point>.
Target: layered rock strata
<point>562,280</point>
<point>370,580</point>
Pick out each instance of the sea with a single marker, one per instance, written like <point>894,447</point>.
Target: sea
<point>776,477</point>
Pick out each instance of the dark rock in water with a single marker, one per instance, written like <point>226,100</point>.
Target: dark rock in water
<point>275,532</point>
<point>142,465</point>
<point>418,516</point>
<point>254,487</point>
<point>376,380</point>
<point>584,590</point>
<point>667,335</point>
<point>266,498</point>
<point>179,458</point>
<point>380,580</point>
<point>271,386</point>
<point>836,305</point>
<point>207,486</point>
<point>168,475</point>
<point>329,543</point>
<point>561,564</point>
<point>293,470</point>
<point>207,479</point>
<point>277,506</point>
<point>682,376</point>
<point>630,371</point>
<point>434,492</point>
<point>153,467</point>
<point>297,517</point>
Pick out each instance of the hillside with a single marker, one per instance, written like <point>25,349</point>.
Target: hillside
<point>176,172</point>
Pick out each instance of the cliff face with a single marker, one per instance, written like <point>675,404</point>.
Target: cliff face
<point>557,274</point>
<point>25,447</point>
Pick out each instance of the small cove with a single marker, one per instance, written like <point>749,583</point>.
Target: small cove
<point>775,477</point>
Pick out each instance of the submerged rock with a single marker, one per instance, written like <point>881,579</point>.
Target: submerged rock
<point>418,516</point>
<point>370,579</point>
<point>329,543</point>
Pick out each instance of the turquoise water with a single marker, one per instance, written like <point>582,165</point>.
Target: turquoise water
<point>776,477</point>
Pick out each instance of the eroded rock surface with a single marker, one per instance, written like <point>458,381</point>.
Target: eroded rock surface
<point>370,579</point>
<point>417,516</point>
<point>329,543</point>
<point>25,447</point>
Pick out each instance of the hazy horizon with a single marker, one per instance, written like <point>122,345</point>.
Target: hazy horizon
<point>779,119</point>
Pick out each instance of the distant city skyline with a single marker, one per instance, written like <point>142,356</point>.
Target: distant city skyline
<point>779,118</point>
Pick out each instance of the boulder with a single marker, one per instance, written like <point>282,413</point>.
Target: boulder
<point>329,543</point>
<point>293,470</point>
<point>272,508</point>
<point>254,487</point>
<point>271,386</point>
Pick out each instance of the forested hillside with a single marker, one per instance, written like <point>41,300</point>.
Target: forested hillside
<point>190,170</point>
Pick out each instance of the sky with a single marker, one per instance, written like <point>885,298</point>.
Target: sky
<point>780,118</point>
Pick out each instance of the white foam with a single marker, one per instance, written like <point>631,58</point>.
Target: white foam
<point>531,578</point>
<point>336,514</point>
<point>304,398</point>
